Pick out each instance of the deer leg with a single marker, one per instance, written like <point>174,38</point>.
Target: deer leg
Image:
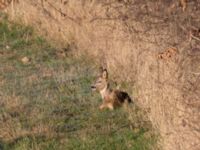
<point>102,106</point>
<point>110,106</point>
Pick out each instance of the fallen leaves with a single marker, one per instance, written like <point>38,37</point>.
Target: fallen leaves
<point>168,53</point>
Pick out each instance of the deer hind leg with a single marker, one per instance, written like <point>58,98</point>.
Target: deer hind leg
<point>110,106</point>
<point>107,105</point>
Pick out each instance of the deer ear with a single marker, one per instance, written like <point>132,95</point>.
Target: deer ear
<point>105,74</point>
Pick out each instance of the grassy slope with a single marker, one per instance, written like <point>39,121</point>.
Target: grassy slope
<point>47,103</point>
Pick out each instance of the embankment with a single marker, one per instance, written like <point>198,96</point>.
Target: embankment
<point>127,37</point>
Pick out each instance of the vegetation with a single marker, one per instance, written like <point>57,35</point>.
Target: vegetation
<point>46,102</point>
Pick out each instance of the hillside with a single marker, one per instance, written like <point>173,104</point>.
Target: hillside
<point>47,104</point>
<point>153,46</point>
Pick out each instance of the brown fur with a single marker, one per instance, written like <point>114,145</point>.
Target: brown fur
<point>111,98</point>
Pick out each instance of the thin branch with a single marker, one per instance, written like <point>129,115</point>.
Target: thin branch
<point>63,14</point>
<point>196,38</point>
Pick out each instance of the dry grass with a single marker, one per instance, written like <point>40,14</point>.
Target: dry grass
<point>46,100</point>
<point>126,37</point>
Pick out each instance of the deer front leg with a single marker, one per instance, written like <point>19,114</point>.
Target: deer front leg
<point>102,106</point>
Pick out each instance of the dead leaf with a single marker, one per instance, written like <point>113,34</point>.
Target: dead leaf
<point>183,4</point>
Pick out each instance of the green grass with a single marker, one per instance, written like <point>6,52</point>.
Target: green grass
<point>47,104</point>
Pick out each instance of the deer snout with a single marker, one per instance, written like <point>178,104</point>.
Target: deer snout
<point>93,88</point>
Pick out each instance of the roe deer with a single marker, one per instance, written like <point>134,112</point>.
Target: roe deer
<point>111,98</point>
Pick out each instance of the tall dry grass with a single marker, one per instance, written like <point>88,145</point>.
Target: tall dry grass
<point>126,36</point>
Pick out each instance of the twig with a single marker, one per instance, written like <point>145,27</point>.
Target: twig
<point>103,18</point>
<point>63,14</point>
<point>194,37</point>
<point>196,73</point>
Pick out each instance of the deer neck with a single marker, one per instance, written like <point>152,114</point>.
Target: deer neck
<point>105,91</point>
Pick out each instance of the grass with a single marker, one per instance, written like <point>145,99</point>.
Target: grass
<point>46,103</point>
